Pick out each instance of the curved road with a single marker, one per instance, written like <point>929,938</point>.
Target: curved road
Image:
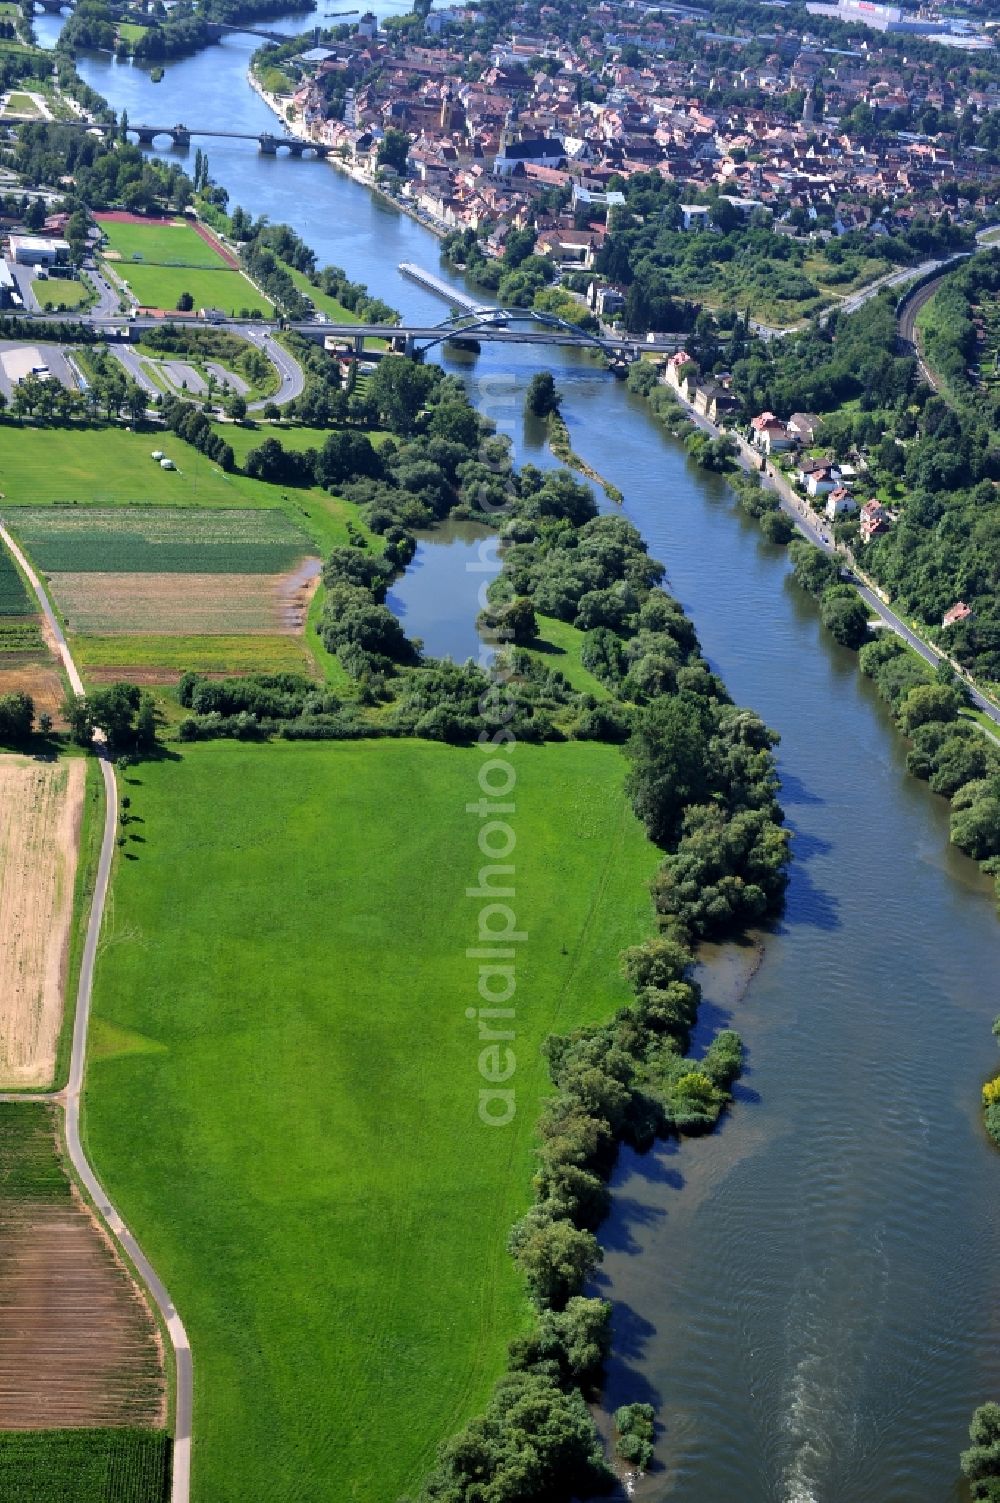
<point>70,1098</point>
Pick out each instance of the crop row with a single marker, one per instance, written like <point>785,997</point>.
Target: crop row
<point>84,1466</point>
<point>14,599</point>
<point>20,635</point>
<point>29,1163</point>
<point>158,540</point>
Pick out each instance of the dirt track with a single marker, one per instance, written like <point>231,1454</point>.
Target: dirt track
<point>40,810</point>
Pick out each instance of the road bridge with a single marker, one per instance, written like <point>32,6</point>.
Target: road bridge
<point>180,135</point>
<point>495,326</point>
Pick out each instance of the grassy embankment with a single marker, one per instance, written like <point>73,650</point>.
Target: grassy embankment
<point>161,262</point>
<point>283,1085</point>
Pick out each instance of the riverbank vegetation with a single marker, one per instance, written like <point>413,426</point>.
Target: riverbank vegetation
<point>991,1103</point>
<point>981,1462</point>
<point>949,750</point>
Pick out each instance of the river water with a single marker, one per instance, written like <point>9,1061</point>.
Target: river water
<point>810,1296</point>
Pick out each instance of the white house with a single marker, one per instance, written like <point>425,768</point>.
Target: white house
<point>695,216</point>
<point>840,503</point>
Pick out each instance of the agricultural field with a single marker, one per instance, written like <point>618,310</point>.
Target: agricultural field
<point>283,1088</point>
<point>85,1466</point>
<point>158,540</point>
<point>152,660</point>
<point>77,1344</point>
<point>42,804</point>
<point>15,599</point>
<point>181,605</point>
<point>105,467</point>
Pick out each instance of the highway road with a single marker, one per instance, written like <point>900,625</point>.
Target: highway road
<point>70,1098</point>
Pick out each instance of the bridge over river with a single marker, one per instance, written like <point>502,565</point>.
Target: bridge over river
<point>180,135</point>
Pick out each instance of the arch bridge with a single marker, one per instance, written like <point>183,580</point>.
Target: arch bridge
<point>513,326</point>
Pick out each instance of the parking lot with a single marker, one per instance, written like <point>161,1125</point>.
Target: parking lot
<point>18,360</point>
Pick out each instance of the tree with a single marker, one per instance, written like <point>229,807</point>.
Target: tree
<point>393,150</point>
<point>17,715</point>
<point>555,1257</point>
<point>457,422</point>
<point>669,764</point>
<point>185,303</point>
<point>35,217</point>
<point>237,407</point>
<point>928,702</point>
<point>542,397</point>
<point>399,389</point>
<point>514,622</point>
<point>845,616</point>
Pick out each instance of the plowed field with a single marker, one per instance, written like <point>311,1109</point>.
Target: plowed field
<point>77,1344</point>
<point>178,605</point>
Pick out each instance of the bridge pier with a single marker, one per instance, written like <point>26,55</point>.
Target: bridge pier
<point>268,145</point>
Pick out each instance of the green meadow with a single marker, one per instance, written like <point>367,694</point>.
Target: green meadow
<point>109,467</point>
<point>283,1087</point>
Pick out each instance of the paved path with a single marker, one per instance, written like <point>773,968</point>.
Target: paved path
<point>70,1098</point>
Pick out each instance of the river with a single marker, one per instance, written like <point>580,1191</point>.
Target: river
<point>809,1296</point>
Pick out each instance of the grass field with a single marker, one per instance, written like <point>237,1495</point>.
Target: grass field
<point>61,290</point>
<point>174,244</point>
<point>162,286</point>
<point>99,657</point>
<point>283,1087</point>
<point>290,435</point>
<point>558,646</point>
<point>84,1466</point>
<point>109,467</point>
<point>22,104</point>
<point>321,300</point>
<point>158,540</point>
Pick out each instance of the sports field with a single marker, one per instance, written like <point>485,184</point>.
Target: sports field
<point>161,261</point>
<point>176,243</point>
<point>283,1088</point>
